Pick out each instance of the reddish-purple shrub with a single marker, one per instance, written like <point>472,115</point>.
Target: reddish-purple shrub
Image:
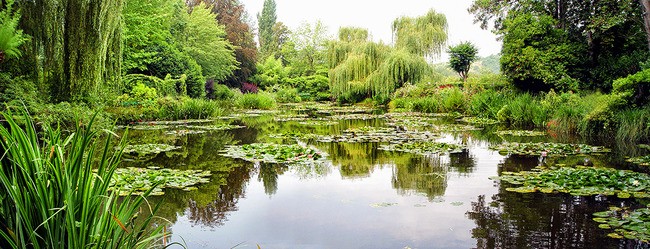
<point>248,88</point>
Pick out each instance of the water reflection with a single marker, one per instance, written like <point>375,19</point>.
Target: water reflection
<point>463,163</point>
<point>514,220</point>
<point>425,175</point>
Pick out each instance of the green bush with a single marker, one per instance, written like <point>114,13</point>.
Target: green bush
<point>523,111</point>
<point>68,115</point>
<point>427,105</point>
<point>260,100</point>
<point>19,92</point>
<point>287,95</point>
<point>453,99</point>
<point>635,88</point>
<point>187,108</point>
<point>633,125</point>
<point>488,103</point>
<point>222,92</point>
<point>601,120</point>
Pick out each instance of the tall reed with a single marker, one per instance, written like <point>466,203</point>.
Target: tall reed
<point>54,192</point>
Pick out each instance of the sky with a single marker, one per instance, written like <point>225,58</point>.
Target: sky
<point>378,15</point>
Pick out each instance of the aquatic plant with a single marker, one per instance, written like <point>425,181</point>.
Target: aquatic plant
<point>423,148</point>
<point>215,127</point>
<point>580,181</point>
<point>184,132</point>
<point>52,198</point>
<point>136,181</point>
<point>456,128</point>
<point>479,121</point>
<point>377,135</point>
<point>146,149</point>
<point>521,133</point>
<point>274,153</point>
<point>313,122</point>
<point>551,149</point>
<point>629,224</point>
<point>643,160</point>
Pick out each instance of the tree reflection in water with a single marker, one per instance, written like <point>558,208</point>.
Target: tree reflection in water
<point>537,220</point>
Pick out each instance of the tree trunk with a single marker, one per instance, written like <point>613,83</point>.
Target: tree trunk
<point>645,4</point>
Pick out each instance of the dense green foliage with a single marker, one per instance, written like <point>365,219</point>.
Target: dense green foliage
<point>10,36</point>
<point>566,43</point>
<point>461,57</point>
<point>53,198</point>
<point>265,21</point>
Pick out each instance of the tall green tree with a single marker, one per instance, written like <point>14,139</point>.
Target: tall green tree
<point>609,32</point>
<point>311,44</point>
<point>11,38</point>
<point>424,35</point>
<point>265,21</point>
<point>461,58</point>
<point>203,39</point>
<point>147,25</point>
<point>76,45</point>
<point>233,16</point>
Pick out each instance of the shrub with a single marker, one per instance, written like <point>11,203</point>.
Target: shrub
<point>248,88</point>
<point>166,87</point>
<point>188,108</point>
<point>67,116</point>
<point>287,95</point>
<point>261,100</point>
<point>487,104</point>
<point>635,88</point>
<point>453,99</point>
<point>523,111</point>
<point>634,125</point>
<point>222,92</point>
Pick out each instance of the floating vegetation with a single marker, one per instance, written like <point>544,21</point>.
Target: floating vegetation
<point>521,133</point>
<point>136,181</point>
<point>274,153</point>
<point>294,135</point>
<point>457,128</point>
<point>580,181</point>
<point>411,121</point>
<point>551,149</point>
<point>147,149</point>
<point>215,127</point>
<point>177,122</point>
<point>625,223</point>
<point>345,109</point>
<point>383,204</point>
<point>313,122</point>
<point>424,148</point>
<point>354,116</point>
<point>143,127</point>
<point>643,161</point>
<point>479,121</point>
<point>374,134</point>
<point>184,132</point>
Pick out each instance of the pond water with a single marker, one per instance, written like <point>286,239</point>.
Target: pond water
<point>364,197</point>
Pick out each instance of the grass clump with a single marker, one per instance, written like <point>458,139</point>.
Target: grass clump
<point>52,198</point>
<point>259,100</point>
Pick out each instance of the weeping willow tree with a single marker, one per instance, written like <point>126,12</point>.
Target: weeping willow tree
<point>361,69</point>
<point>76,45</point>
<point>424,35</point>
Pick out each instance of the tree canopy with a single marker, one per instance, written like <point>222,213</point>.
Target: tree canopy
<point>265,21</point>
<point>461,58</point>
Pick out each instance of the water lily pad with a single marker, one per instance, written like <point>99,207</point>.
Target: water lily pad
<point>521,133</point>
<point>148,149</point>
<point>275,153</point>
<point>456,128</point>
<point>551,149</point>
<point>215,127</point>
<point>136,181</point>
<point>626,223</point>
<point>354,116</point>
<point>318,123</point>
<point>184,132</point>
<point>643,161</point>
<point>383,204</point>
<point>580,181</point>
<point>479,121</point>
<point>424,147</point>
<point>374,134</point>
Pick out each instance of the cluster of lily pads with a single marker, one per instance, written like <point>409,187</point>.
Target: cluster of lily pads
<point>456,128</point>
<point>521,133</point>
<point>551,149</point>
<point>627,224</point>
<point>184,132</point>
<point>424,148</point>
<point>135,181</point>
<point>361,116</point>
<point>580,181</point>
<point>479,121</point>
<point>643,161</point>
<point>377,135</point>
<point>215,127</point>
<point>274,153</point>
<point>148,149</point>
<point>313,122</point>
<point>294,135</point>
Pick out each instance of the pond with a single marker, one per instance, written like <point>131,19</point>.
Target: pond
<point>367,193</point>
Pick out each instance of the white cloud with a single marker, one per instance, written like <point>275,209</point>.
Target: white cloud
<point>377,17</point>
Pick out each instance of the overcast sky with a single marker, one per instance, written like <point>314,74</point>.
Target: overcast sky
<point>378,15</point>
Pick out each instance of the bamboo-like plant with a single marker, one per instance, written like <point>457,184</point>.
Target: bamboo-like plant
<point>54,193</point>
